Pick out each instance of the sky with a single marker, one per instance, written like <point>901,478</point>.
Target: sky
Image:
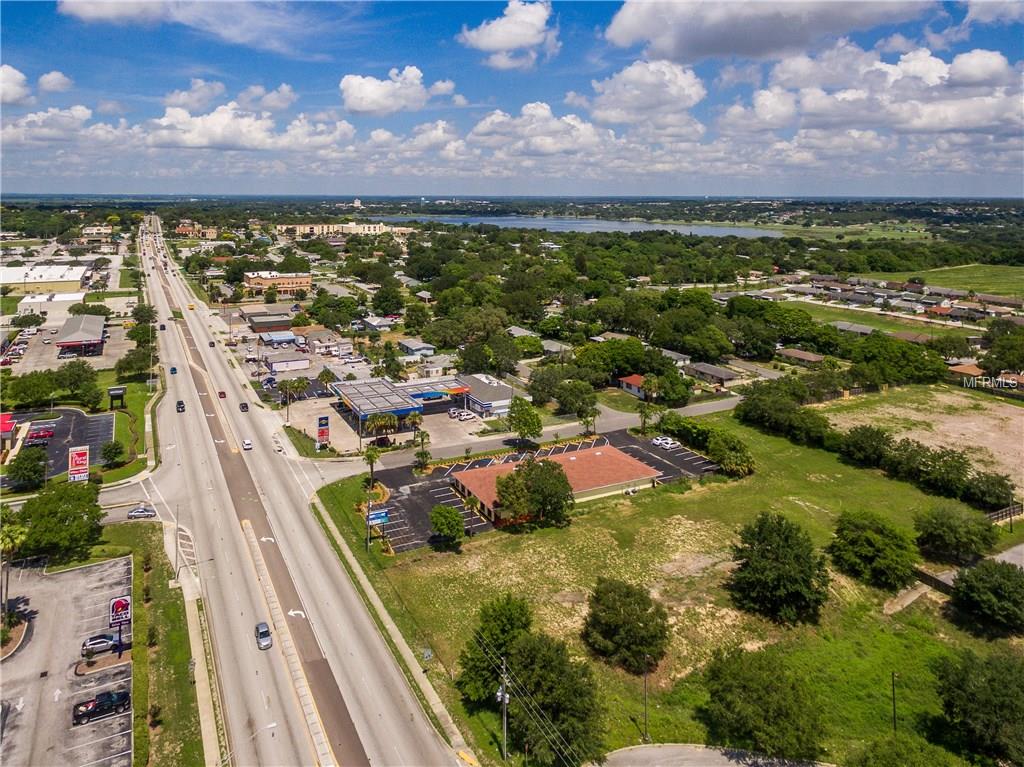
<point>522,97</point>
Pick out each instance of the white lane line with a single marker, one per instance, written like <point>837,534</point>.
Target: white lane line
<point>106,758</point>
<point>99,740</point>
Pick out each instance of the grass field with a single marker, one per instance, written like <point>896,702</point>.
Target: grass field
<point>853,232</point>
<point>880,321</point>
<point>160,674</point>
<point>617,399</point>
<point>9,304</point>
<point>981,278</point>
<point>307,445</point>
<point>676,542</point>
<point>101,296</point>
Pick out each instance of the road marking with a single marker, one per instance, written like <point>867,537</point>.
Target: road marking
<point>20,704</point>
<point>99,740</point>
<point>296,614</point>
<point>106,758</point>
<point>56,695</point>
<point>268,538</point>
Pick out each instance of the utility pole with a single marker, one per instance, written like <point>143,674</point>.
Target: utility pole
<point>175,540</point>
<point>894,676</point>
<point>647,734</point>
<point>503,699</point>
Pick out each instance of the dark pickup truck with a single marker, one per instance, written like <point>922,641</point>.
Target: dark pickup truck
<point>103,704</point>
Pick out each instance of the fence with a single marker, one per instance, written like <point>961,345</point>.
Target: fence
<point>1011,511</point>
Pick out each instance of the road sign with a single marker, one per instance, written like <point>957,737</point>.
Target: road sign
<point>78,464</point>
<point>378,518</point>
<point>322,421</point>
<point>323,431</point>
<point>120,611</point>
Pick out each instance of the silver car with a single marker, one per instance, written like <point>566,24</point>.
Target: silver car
<point>142,512</point>
<point>99,643</point>
<point>263,638</point>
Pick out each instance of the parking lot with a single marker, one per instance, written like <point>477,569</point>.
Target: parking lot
<point>412,496</point>
<point>71,428</point>
<point>41,686</point>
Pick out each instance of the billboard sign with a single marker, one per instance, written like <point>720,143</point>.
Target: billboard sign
<point>323,430</point>
<point>78,464</point>
<point>378,518</point>
<point>120,611</point>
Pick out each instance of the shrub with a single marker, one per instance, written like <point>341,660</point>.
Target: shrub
<point>870,549</point>
<point>865,445</point>
<point>952,534</point>
<point>988,490</point>
<point>994,592</point>
<point>900,751</point>
<point>731,454</point>
<point>626,626</point>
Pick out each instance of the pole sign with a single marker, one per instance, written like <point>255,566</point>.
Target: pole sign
<point>323,430</point>
<point>120,611</point>
<point>78,464</point>
<point>378,518</point>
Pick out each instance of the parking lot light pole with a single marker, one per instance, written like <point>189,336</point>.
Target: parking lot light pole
<point>227,757</point>
<point>894,676</point>
<point>647,734</point>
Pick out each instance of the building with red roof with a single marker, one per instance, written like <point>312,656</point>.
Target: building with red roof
<point>633,384</point>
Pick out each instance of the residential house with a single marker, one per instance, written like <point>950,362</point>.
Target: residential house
<point>680,360</point>
<point>633,384</point>
<point>416,347</point>
<point>711,373</point>
<point>517,332</point>
<point>555,348</point>
<point>425,296</point>
<point>380,324</point>
<point>801,357</point>
<point>852,327</point>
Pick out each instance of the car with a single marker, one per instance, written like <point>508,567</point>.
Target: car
<point>263,639</point>
<point>42,430</point>
<point>180,406</point>
<point>103,704</point>
<point>453,412</point>
<point>47,341</point>
<point>222,394</point>
<point>35,442</point>
<point>246,444</point>
<point>212,344</point>
<point>174,371</point>
<point>659,441</point>
<point>163,326</point>
<point>142,512</point>
<point>243,406</point>
<point>54,332</point>
<point>670,444</point>
<point>99,643</point>
<point>465,415</point>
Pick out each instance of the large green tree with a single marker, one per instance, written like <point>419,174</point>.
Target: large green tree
<point>755,702</point>
<point>27,470</point>
<point>780,575</point>
<point>954,534</point>
<point>548,491</point>
<point>868,547</point>
<point>626,626</point>
<point>524,419</point>
<point>61,520</point>
<point>499,623</point>
<point>33,388</point>
<point>545,679</point>
<point>983,702</point>
<point>994,592</point>
<point>447,523</point>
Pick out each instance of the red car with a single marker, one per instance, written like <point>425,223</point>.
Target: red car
<point>221,394</point>
<point>41,434</point>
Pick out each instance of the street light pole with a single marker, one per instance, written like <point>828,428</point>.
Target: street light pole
<point>227,757</point>
<point>647,734</point>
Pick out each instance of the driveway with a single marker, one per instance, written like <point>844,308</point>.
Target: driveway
<point>673,464</point>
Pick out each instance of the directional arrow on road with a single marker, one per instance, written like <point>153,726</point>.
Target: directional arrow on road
<point>268,538</point>
<point>219,441</point>
<point>56,695</point>
<point>20,704</point>
<point>296,614</point>
<point>209,415</point>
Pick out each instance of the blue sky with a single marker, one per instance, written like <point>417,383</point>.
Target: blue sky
<point>811,98</point>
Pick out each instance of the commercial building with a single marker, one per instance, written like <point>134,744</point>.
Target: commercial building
<point>487,395</point>
<point>321,230</point>
<point>364,398</point>
<point>82,334</point>
<point>94,234</point>
<point>592,473</point>
<point>43,279</point>
<point>45,303</point>
<point>288,284</point>
<point>267,323</point>
<point>284,362</point>
<point>278,337</point>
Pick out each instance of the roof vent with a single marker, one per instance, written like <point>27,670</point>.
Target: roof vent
<point>572,458</point>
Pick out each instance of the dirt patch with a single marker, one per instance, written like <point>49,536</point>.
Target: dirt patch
<point>990,432</point>
<point>690,564</point>
<point>98,664</point>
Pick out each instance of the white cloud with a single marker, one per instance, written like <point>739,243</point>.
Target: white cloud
<point>537,132</point>
<point>838,65</point>
<point>459,100</point>
<point>980,67</point>
<point>199,95</point>
<point>919,64</point>
<point>13,86</point>
<point>403,91</point>
<point>772,108</point>
<point>514,38</point>
<point>53,125</point>
<point>257,97</point>
<point>732,74</point>
<point>691,31</point>
<point>110,107</point>
<point>281,27</point>
<point>55,82</point>
<point>645,90</point>
<point>895,43</point>
<point>994,11</point>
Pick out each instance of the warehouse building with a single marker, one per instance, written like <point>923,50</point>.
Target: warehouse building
<point>23,280</point>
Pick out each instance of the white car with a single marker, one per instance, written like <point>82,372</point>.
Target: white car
<point>465,415</point>
<point>246,444</point>
<point>670,444</point>
<point>659,441</point>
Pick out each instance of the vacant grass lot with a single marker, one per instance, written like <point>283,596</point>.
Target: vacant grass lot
<point>884,322</point>
<point>160,674</point>
<point>677,543</point>
<point>981,278</point>
<point>617,399</point>
<point>9,304</point>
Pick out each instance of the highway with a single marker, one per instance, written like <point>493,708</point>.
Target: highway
<point>366,709</point>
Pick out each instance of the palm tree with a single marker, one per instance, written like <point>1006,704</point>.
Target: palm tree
<point>650,387</point>
<point>589,418</point>
<point>12,536</point>
<point>325,377</point>
<point>382,423</point>
<point>643,408</point>
<point>415,420</point>
<point>371,455</point>
<point>291,389</point>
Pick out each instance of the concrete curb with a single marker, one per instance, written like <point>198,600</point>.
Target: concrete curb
<point>204,691</point>
<point>458,743</point>
<point>316,729</point>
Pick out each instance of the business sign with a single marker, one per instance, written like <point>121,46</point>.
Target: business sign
<point>78,464</point>
<point>120,611</point>
<point>323,430</point>
<point>378,518</point>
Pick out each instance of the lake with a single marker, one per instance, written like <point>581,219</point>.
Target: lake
<point>570,224</point>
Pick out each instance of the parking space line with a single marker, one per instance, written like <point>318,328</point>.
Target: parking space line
<point>98,740</point>
<point>106,758</point>
<point>86,688</point>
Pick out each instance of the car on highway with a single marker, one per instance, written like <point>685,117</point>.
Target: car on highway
<point>99,643</point>
<point>47,341</point>
<point>246,444</point>
<point>222,394</point>
<point>191,307</point>
<point>103,704</point>
<point>174,371</point>
<point>142,512</point>
<point>54,332</point>
<point>212,344</point>
<point>180,407</point>
<point>243,406</point>
<point>163,326</point>
<point>263,639</point>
